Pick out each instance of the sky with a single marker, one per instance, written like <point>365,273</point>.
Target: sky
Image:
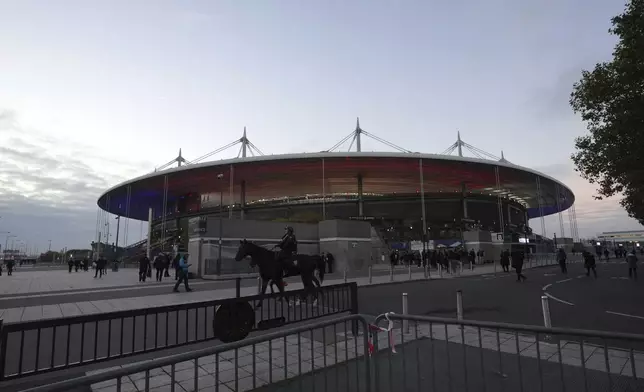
<point>95,92</point>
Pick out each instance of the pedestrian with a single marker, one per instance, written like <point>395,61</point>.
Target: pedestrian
<point>144,264</point>
<point>590,263</point>
<point>632,265</point>
<point>517,263</point>
<point>329,262</point>
<point>158,266</point>
<point>100,263</point>
<point>505,260</point>
<point>561,258</point>
<point>182,271</point>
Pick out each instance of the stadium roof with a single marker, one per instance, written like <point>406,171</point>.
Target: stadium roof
<point>290,175</point>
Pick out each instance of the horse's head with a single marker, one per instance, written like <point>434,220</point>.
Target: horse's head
<point>245,249</point>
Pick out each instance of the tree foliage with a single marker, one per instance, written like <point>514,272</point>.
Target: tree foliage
<point>610,99</point>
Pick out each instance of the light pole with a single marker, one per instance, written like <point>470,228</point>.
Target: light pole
<point>49,250</point>
<point>4,250</point>
<point>220,176</point>
<point>118,224</point>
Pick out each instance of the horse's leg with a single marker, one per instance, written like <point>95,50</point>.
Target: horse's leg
<point>261,298</point>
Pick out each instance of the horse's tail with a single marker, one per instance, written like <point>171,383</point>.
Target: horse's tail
<point>321,266</point>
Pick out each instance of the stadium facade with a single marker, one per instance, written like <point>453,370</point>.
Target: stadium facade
<point>406,196</point>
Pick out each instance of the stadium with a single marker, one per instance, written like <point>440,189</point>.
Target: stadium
<point>408,197</point>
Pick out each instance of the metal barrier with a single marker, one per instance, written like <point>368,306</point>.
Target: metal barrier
<point>320,357</point>
<point>437,355</point>
<point>440,354</point>
<point>34,347</point>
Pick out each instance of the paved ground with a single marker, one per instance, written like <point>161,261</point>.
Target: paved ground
<point>444,358</point>
<point>609,303</point>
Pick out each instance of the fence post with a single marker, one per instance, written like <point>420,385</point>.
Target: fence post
<point>391,273</point>
<point>354,307</point>
<point>370,275</point>
<point>259,285</point>
<point>345,275</point>
<point>459,305</point>
<point>409,268</point>
<point>238,287</point>
<point>405,312</point>
<point>545,307</point>
<point>3,350</point>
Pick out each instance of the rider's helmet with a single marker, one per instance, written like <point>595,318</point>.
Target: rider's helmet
<point>289,229</point>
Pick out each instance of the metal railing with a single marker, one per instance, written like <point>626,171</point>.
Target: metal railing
<point>440,354</point>
<point>436,354</point>
<point>34,347</point>
<point>320,357</point>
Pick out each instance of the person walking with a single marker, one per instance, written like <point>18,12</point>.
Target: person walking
<point>631,259</point>
<point>100,264</point>
<point>144,264</point>
<point>561,258</point>
<point>182,271</point>
<point>158,266</point>
<point>505,260</point>
<point>517,263</point>
<point>590,263</point>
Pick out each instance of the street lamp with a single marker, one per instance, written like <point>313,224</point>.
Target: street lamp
<point>4,250</point>
<point>220,177</point>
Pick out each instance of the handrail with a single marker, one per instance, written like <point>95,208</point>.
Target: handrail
<point>68,385</point>
<point>515,327</point>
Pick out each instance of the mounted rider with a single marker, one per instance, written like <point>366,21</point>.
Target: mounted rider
<point>288,249</point>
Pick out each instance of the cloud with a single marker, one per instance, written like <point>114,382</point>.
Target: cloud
<point>593,216</point>
<point>49,186</point>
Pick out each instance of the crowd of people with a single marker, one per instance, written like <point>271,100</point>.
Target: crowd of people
<point>161,263</point>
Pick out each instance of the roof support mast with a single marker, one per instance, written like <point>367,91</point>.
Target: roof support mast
<point>355,137</point>
<point>358,132</point>
<point>477,152</point>
<point>246,147</point>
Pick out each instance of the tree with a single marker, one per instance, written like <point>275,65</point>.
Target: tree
<point>610,99</point>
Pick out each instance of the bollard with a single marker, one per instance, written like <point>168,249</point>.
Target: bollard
<point>545,307</point>
<point>440,271</point>
<point>471,266</point>
<point>259,285</point>
<point>370,276</point>
<point>238,287</point>
<point>459,305</point>
<point>494,262</point>
<point>460,270</point>
<point>405,311</point>
<point>391,273</point>
<point>427,271</point>
<point>345,275</point>
<point>409,269</point>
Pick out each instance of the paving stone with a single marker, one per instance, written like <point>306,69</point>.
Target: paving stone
<point>155,381</point>
<point>125,387</point>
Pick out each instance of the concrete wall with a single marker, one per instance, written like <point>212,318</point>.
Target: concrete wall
<point>349,241</point>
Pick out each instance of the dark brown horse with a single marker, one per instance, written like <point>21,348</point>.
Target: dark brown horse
<point>272,271</point>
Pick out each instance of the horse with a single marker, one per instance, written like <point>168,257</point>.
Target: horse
<point>271,270</point>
